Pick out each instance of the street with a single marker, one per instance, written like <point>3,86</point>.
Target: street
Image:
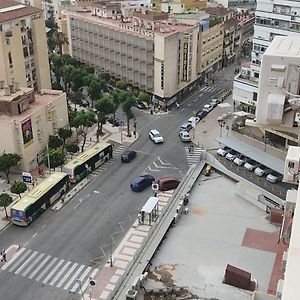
<point>77,237</point>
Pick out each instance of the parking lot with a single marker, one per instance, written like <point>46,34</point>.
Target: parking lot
<point>279,188</point>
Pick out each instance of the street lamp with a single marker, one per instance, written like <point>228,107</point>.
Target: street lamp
<point>221,123</point>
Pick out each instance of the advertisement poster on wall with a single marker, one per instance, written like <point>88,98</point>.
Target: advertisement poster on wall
<point>27,132</point>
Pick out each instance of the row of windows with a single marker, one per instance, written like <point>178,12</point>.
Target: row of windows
<point>259,48</point>
<point>212,49</point>
<point>210,61</point>
<point>212,37</point>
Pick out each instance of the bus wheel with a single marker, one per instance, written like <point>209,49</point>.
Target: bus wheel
<point>29,220</point>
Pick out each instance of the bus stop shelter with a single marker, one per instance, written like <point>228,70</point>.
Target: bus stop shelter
<point>149,212</point>
<point>258,155</point>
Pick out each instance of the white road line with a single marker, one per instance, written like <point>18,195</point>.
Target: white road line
<point>33,264</point>
<point>25,244</point>
<point>20,260</point>
<point>60,273</point>
<point>52,262</point>
<point>82,277</point>
<point>43,226</point>
<point>74,277</point>
<point>84,286</point>
<point>53,271</point>
<point>39,267</point>
<point>163,163</point>
<point>67,275</point>
<point>26,262</point>
<point>152,170</point>
<point>162,167</point>
<point>18,253</point>
<point>34,235</point>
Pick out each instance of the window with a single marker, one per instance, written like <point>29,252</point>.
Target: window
<point>256,75</point>
<point>25,52</point>
<point>162,76</point>
<point>254,96</point>
<point>9,58</point>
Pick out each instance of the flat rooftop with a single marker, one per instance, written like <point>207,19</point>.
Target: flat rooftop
<point>286,46</point>
<point>221,228</point>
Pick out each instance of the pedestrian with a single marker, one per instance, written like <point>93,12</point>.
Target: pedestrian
<point>192,148</point>
<point>3,254</point>
<point>177,104</point>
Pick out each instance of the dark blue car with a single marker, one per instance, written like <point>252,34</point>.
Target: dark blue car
<point>140,183</point>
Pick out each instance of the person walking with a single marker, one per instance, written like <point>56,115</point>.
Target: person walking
<point>3,254</point>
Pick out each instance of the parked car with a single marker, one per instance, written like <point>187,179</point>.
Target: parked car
<point>155,136</point>
<point>140,183</point>
<point>207,108</point>
<point>231,155</point>
<point>223,151</point>
<point>214,102</point>
<point>240,160</point>
<point>139,104</point>
<point>145,104</point>
<point>168,183</point>
<point>116,122</point>
<point>273,177</point>
<point>186,127</point>
<point>184,135</point>
<point>261,170</point>
<point>201,114</point>
<point>85,103</point>
<point>197,120</point>
<point>251,165</point>
<point>128,155</point>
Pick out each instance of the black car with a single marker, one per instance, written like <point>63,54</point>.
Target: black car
<point>128,155</point>
<point>201,114</point>
<point>115,122</point>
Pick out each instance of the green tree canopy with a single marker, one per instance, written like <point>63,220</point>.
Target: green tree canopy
<point>145,97</point>
<point>121,84</point>
<point>104,106</point>
<point>95,89</point>
<point>18,187</point>
<point>7,161</point>
<point>76,97</point>
<point>56,157</point>
<point>126,106</point>
<point>54,142</point>
<point>5,200</point>
<point>64,134</point>
<point>77,78</point>
<point>72,148</point>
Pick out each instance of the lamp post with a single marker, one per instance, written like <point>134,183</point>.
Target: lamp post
<point>221,123</point>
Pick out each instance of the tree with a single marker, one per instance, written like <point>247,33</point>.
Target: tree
<point>18,187</point>
<point>121,85</point>
<point>56,157</point>
<point>77,79</point>
<point>69,60</point>
<point>50,23</point>
<point>72,148</point>
<point>64,134</point>
<point>95,89</point>
<point>7,161</point>
<point>116,99</point>
<point>104,106</point>
<point>83,121</point>
<point>76,97</point>
<point>5,200</point>
<point>54,142</point>
<point>67,77</point>
<point>60,39</point>
<point>144,97</point>
<point>126,106</point>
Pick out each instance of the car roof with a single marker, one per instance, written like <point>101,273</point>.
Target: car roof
<point>185,124</point>
<point>154,131</point>
<point>128,151</point>
<point>167,178</point>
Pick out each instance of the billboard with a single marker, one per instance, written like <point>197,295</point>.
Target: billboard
<point>27,132</point>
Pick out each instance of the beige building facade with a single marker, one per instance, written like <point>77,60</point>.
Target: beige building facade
<point>27,119</point>
<point>145,48</point>
<point>23,46</point>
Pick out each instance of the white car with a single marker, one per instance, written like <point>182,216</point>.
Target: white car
<point>155,136</point>
<point>231,155</point>
<point>239,160</point>
<point>185,137</point>
<point>273,177</point>
<point>251,165</point>
<point>197,120</point>
<point>223,151</point>
<point>207,108</point>
<point>214,102</point>
<point>261,170</point>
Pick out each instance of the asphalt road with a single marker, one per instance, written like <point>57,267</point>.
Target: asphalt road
<point>79,233</point>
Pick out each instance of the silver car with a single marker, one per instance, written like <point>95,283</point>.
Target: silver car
<point>251,165</point>
<point>273,177</point>
<point>231,155</point>
<point>185,137</point>
<point>261,170</point>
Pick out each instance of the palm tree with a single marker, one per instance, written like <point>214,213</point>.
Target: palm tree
<point>60,39</point>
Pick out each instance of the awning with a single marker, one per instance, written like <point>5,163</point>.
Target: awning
<point>150,204</point>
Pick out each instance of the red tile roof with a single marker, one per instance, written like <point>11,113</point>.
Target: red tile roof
<point>16,13</point>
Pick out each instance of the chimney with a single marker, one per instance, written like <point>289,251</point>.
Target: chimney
<point>12,88</point>
<point>17,86</point>
<point>6,91</point>
<point>1,84</point>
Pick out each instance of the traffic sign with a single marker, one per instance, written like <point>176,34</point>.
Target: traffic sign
<point>92,283</point>
<point>27,177</point>
<point>154,186</point>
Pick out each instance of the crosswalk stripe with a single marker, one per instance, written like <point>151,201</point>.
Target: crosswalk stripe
<point>53,271</point>
<point>73,277</point>
<point>26,262</point>
<point>88,280</point>
<point>39,267</point>
<point>32,265</point>
<point>18,253</point>
<point>20,260</point>
<point>82,277</point>
<point>67,275</point>
<point>46,269</point>
<point>60,273</point>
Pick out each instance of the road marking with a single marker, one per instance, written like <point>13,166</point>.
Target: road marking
<point>34,235</point>
<point>43,226</point>
<point>60,273</point>
<point>46,269</point>
<point>20,261</point>
<point>96,192</point>
<point>32,265</point>
<point>25,244</point>
<point>151,170</point>
<point>161,167</point>
<point>88,280</point>
<point>39,267</point>
<point>82,277</point>
<point>73,277</point>
<point>77,205</point>
<point>162,162</point>
<point>18,253</point>
<point>53,271</point>
<point>26,262</point>
<point>67,275</point>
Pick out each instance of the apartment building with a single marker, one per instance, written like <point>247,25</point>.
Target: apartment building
<point>231,4</point>
<point>27,119</point>
<point>272,19</point>
<point>178,6</point>
<point>23,46</point>
<point>210,46</point>
<point>147,49</point>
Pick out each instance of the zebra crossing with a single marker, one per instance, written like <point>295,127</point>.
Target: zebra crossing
<point>192,156</point>
<point>50,270</point>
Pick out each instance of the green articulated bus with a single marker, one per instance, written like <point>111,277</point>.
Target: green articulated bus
<point>88,161</point>
<point>39,198</point>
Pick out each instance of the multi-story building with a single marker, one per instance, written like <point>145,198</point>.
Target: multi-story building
<point>210,46</point>
<point>178,6</point>
<point>249,4</point>
<point>272,18</point>
<point>147,49</point>
<point>27,119</point>
<point>23,46</point>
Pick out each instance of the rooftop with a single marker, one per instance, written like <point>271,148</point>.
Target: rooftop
<point>231,22</point>
<point>287,46</point>
<point>10,10</point>
<point>218,11</point>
